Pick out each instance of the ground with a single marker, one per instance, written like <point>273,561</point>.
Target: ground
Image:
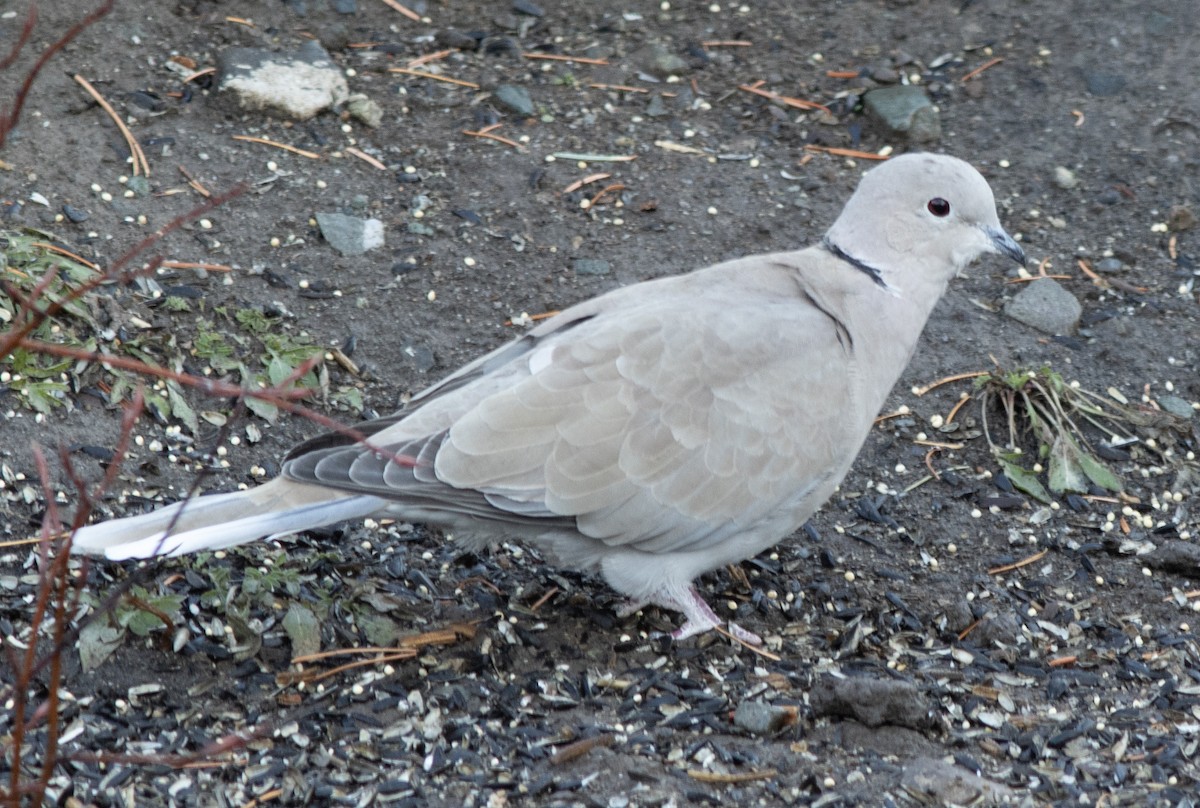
<point>901,664</point>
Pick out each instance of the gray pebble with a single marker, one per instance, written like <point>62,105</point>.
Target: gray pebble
<point>76,215</point>
<point>515,98</point>
<point>350,235</point>
<point>759,718</point>
<point>656,108</point>
<point>1159,24</point>
<point>449,38</point>
<point>1176,557</point>
<point>1181,219</point>
<point>999,629</point>
<point>528,7</point>
<point>139,185</point>
<point>1176,406</point>
<point>364,109</point>
<point>904,110</point>
<point>298,83</point>
<point>1102,84</point>
<point>420,356</point>
<point>873,702</point>
<point>657,60</point>
<point>1046,306</point>
<point>885,75</point>
<point>1110,265</point>
<point>591,266</point>
<point>1065,178</point>
<point>937,782</point>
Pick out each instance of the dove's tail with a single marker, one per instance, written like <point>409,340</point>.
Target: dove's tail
<point>222,520</point>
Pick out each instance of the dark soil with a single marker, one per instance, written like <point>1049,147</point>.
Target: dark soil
<point>1072,677</point>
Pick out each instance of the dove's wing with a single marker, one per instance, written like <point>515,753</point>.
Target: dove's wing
<point>665,422</point>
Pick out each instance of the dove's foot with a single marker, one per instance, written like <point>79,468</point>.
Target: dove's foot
<point>699,615</point>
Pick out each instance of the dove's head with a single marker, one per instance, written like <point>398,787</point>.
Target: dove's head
<point>921,217</point>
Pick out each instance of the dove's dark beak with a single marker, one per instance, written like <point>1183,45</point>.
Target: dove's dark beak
<point>1003,243</point>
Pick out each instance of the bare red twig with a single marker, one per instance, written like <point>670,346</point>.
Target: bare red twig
<point>31,18</point>
<point>9,119</point>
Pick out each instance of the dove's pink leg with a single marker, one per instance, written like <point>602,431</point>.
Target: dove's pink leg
<point>700,616</point>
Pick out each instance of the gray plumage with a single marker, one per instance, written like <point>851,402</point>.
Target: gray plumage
<point>653,433</point>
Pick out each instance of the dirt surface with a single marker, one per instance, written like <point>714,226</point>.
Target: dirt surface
<point>901,667</point>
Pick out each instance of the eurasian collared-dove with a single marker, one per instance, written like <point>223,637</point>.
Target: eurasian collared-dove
<point>653,433</point>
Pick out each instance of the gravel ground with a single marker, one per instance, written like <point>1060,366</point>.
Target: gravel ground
<point>912,657</point>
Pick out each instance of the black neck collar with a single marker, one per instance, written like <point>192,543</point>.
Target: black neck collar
<point>862,266</point>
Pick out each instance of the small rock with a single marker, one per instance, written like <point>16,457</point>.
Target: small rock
<point>139,185</point>
<point>1046,306</point>
<point>1176,557</point>
<point>515,98</point>
<point>591,266</point>
<point>345,6</point>
<point>1180,219</point>
<point>528,7</point>
<point>500,45</point>
<point>904,110</point>
<point>926,126</point>
<point>349,235</point>
<point>885,75</point>
<point>1176,406</point>
<point>657,60</point>
<point>76,215</point>
<point>1102,84</point>
<point>1110,265</point>
<point>299,83</point>
<point>997,628</point>
<point>759,718</point>
<point>420,356</point>
<point>147,101</point>
<point>364,109</point>
<point>1159,24</point>
<point>936,782</point>
<point>450,38</point>
<point>39,199</point>
<point>873,702</point>
<point>1065,178</point>
<point>656,108</point>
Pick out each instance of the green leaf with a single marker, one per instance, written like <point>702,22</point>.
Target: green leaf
<point>1065,474</point>
<point>278,370</point>
<point>379,630</point>
<point>44,396</point>
<point>180,407</point>
<point>141,621</point>
<point>1024,480</point>
<point>97,642</point>
<point>263,409</point>
<point>350,397</point>
<point>1098,473</point>
<point>249,641</point>
<point>254,321</point>
<point>303,629</point>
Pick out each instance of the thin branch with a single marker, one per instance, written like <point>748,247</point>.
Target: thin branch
<point>8,121</point>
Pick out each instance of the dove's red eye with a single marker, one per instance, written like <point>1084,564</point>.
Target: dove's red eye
<point>939,207</point>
